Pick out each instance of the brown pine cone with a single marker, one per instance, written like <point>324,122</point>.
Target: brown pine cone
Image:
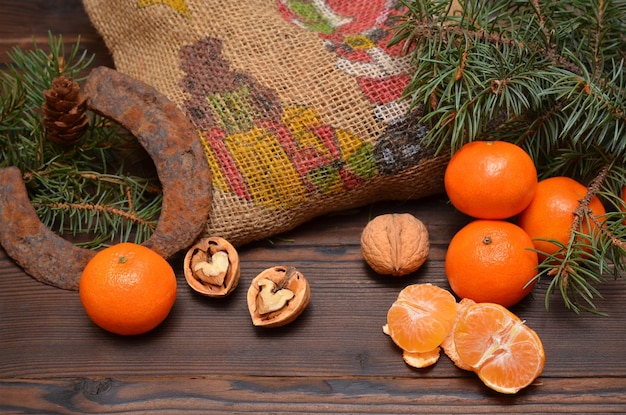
<point>64,117</point>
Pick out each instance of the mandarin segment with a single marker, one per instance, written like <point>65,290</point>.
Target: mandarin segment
<point>416,359</point>
<point>505,353</point>
<point>485,338</point>
<point>421,360</point>
<point>448,345</point>
<point>421,317</point>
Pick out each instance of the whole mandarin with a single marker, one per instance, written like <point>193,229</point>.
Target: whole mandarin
<point>550,214</point>
<point>490,179</point>
<point>127,289</point>
<point>491,261</point>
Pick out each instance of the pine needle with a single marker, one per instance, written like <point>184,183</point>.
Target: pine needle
<point>86,192</point>
<point>549,76</point>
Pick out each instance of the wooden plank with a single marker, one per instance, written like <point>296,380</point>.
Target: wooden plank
<point>25,22</point>
<point>293,395</point>
<point>338,335</point>
<point>208,358</point>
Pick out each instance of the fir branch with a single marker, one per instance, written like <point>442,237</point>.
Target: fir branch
<point>549,76</point>
<point>12,97</point>
<point>491,50</point>
<point>128,215</point>
<point>87,191</point>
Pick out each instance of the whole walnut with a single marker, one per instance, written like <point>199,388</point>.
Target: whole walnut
<point>395,244</point>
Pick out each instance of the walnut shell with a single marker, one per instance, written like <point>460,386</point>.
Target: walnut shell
<point>395,244</point>
<point>268,286</point>
<point>212,254</point>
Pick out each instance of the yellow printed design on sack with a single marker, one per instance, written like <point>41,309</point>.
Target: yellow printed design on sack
<point>177,5</point>
<point>270,154</point>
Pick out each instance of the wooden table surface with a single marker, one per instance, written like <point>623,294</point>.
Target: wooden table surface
<point>208,358</point>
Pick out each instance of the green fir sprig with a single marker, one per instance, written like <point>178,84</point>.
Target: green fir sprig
<point>98,191</point>
<point>547,75</point>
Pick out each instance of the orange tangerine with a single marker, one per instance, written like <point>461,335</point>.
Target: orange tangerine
<point>491,261</point>
<point>490,179</point>
<point>550,214</point>
<point>127,289</point>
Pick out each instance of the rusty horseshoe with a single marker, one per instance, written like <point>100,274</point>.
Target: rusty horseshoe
<point>171,141</point>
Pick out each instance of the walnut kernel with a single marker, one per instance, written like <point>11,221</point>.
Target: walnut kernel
<point>277,296</point>
<point>211,267</point>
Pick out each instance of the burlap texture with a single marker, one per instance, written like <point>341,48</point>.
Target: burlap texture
<point>295,101</point>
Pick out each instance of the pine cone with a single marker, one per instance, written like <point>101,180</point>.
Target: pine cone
<point>64,110</point>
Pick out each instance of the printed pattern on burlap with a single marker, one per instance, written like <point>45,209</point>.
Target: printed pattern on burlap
<point>297,102</point>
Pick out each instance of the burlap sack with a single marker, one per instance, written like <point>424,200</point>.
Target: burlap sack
<point>295,101</point>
